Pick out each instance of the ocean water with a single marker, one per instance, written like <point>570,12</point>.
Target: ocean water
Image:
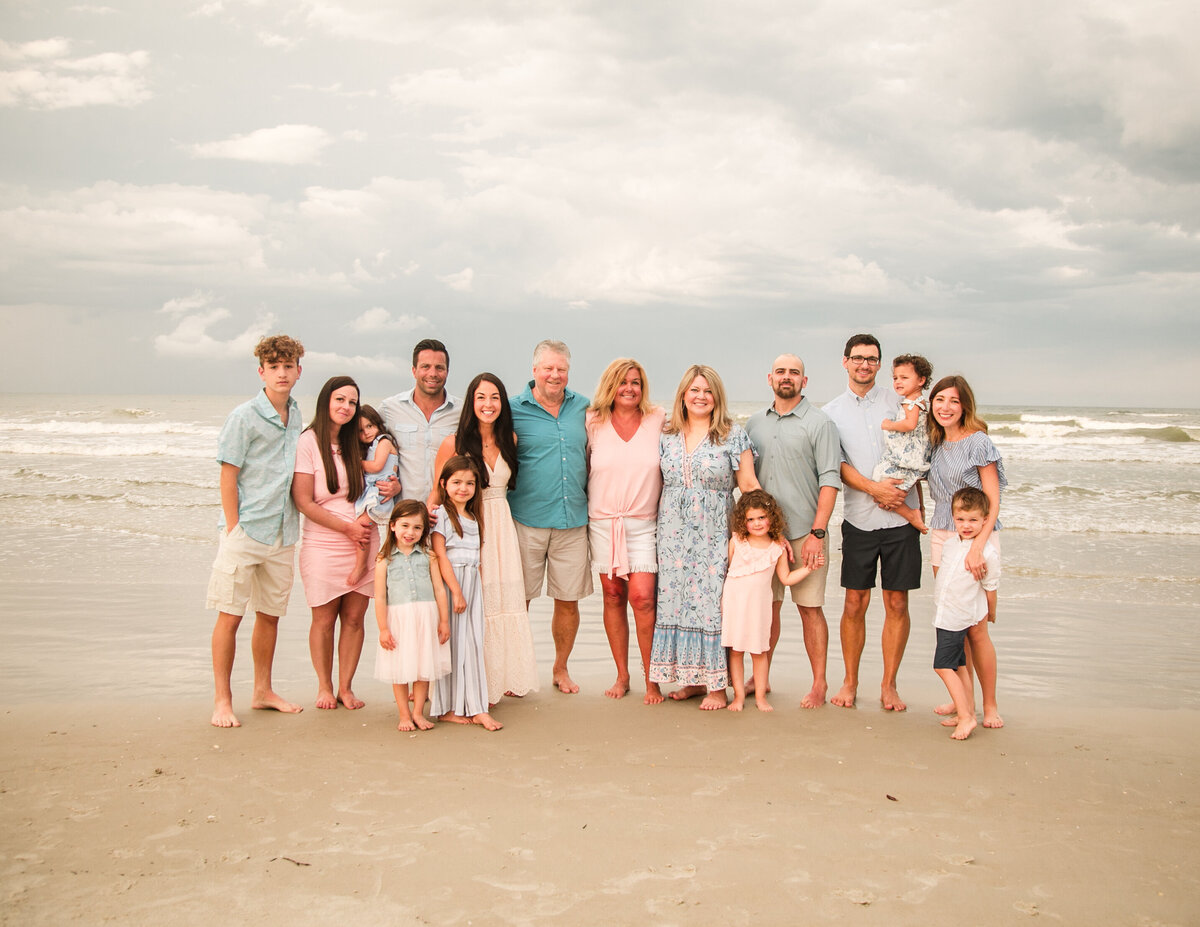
<point>109,504</point>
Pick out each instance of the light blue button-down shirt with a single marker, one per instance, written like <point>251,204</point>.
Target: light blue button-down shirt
<point>552,452</point>
<point>255,440</point>
<point>858,421</point>
<point>418,439</point>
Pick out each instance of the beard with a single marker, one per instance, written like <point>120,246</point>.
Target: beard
<point>786,390</point>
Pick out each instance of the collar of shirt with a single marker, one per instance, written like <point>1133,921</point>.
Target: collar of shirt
<point>262,406</point>
<point>406,396</point>
<point>799,411</point>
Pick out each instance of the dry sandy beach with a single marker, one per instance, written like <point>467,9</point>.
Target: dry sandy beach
<point>588,811</point>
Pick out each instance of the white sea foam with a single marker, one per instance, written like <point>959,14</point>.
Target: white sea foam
<point>56,427</point>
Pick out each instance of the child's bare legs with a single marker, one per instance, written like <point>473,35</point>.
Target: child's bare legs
<point>761,686</point>
<point>737,677</point>
<point>958,685</point>
<point>262,647</point>
<point>224,644</point>
<point>982,656</point>
<point>913,517</point>
<point>420,695</point>
<point>360,555</point>
<point>400,691</point>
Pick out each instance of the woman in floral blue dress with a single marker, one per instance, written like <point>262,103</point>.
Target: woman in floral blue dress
<point>703,455</point>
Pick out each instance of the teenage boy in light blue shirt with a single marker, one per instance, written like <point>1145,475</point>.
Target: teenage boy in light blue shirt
<point>259,526</point>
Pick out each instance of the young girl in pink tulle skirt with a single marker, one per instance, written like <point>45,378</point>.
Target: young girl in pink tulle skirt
<point>756,553</point>
<point>411,609</point>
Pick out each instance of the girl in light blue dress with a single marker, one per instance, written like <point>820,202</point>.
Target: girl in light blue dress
<point>462,696</point>
<point>906,450</point>
<point>380,462</point>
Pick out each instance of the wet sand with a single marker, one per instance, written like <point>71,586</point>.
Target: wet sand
<point>583,810</point>
<point>120,803</point>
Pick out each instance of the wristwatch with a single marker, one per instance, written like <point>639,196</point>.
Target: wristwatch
<point>818,533</point>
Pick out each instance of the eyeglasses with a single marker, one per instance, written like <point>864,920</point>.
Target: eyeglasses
<point>858,360</point>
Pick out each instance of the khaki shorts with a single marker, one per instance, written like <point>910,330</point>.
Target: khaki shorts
<point>560,557</point>
<point>938,538</point>
<point>810,591</point>
<point>247,572</point>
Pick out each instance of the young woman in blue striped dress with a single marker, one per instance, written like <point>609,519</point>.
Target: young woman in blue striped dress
<point>964,455</point>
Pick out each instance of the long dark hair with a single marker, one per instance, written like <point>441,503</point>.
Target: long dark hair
<point>347,439</point>
<point>468,442</point>
<point>474,506</point>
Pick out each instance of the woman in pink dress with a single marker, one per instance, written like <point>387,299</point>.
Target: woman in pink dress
<point>624,483</point>
<point>328,480</point>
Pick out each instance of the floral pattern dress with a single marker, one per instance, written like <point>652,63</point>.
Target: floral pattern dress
<point>693,539</point>
<point>906,453</point>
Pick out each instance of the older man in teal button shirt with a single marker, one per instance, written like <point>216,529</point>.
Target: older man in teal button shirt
<point>549,504</point>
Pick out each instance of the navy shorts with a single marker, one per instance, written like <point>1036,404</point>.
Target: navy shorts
<point>897,550</point>
<point>950,653</point>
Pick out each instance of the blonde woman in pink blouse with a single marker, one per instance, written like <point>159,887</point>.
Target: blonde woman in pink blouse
<point>624,483</point>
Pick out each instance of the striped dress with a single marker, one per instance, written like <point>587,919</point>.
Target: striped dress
<point>956,464</point>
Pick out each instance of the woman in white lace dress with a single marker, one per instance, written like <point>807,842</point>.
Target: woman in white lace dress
<point>485,434</point>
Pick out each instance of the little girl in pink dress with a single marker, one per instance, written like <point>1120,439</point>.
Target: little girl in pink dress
<point>756,553</point>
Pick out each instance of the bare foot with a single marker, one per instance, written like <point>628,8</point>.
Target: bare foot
<point>356,576</point>
<point>273,702</point>
<point>751,688</point>
<point>992,719</point>
<point>564,684</point>
<point>946,708</point>
<point>619,688</point>
<point>486,721</point>
<point>422,723</point>
<point>350,700</point>
<point>963,729</point>
<point>890,699</point>
<point>714,701</point>
<point>223,715</point>
<point>512,695</point>
<point>454,719</point>
<point>653,694</point>
<point>845,697</point>
<point>762,703</point>
<point>326,700</point>
<point>406,725</point>
<point>737,704</point>
<point>815,697</point>
<point>687,692</point>
<point>952,721</point>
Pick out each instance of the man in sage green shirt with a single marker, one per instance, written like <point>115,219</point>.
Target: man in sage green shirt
<point>798,461</point>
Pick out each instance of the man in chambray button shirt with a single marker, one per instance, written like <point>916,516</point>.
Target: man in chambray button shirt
<point>872,534</point>
<point>420,419</point>
<point>549,504</point>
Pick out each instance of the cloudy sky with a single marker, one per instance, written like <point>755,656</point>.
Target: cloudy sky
<point>1012,189</point>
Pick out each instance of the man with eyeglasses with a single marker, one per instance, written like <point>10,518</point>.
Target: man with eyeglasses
<point>872,534</point>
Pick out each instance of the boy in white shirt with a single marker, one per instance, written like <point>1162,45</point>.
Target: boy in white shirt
<point>960,602</point>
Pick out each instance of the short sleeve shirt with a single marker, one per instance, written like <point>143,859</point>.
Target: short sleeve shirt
<point>418,439</point>
<point>798,455</point>
<point>959,599</point>
<point>858,420</point>
<point>256,441</point>
<point>552,451</point>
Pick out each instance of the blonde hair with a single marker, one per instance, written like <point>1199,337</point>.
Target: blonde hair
<point>610,382</point>
<point>720,422</point>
